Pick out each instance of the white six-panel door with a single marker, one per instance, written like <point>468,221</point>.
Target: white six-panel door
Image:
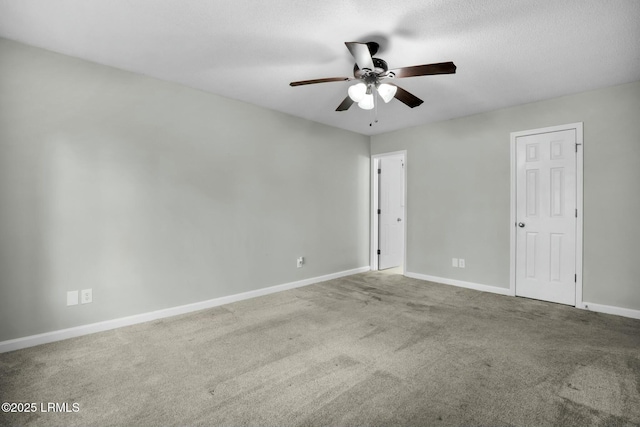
<point>391,204</point>
<point>546,216</point>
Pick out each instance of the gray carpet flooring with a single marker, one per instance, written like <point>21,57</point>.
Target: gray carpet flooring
<point>369,349</point>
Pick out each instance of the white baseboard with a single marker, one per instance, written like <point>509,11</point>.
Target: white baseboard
<point>460,283</point>
<point>600,308</point>
<point>609,309</point>
<point>33,340</point>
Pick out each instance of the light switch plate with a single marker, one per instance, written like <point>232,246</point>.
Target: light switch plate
<point>454,262</point>
<point>72,298</point>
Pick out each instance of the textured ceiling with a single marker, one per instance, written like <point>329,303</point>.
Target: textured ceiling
<point>507,52</point>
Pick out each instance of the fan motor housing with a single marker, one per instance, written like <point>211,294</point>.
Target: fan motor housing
<point>380,66</point>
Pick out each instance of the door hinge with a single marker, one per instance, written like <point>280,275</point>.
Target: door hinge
<point>379,170</point>
<point>575,278</point>
<point>576,213</point>
<point>379,211</point>
<point>576,147</point>
<point>378,251</point>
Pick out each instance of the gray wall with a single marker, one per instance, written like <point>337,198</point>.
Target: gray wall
<point>459,191</point>
<point>156,195</point>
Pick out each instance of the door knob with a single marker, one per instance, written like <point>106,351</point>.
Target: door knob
<point>521,224</point>
<point>399,219</point>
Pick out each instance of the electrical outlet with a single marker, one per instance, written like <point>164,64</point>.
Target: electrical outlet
<point>461,263</point>
<point>72,298</point>
<point>86,296</point>
<point>454,262</point>
<point>300,261</point>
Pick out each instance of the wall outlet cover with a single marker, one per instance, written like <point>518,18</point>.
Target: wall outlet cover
<point>86,296</point>
<point>461,263</point>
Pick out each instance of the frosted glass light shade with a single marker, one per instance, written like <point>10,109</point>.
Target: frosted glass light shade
<point>357,92</point>
<point>367,102</point>
<point>387,92</point>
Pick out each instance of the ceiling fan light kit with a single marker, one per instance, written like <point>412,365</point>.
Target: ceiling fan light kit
<point>372,74</point>
<point>363,94</point>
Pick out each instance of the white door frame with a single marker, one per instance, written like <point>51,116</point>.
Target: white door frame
<point>579,203</point>
<point>373,245</point>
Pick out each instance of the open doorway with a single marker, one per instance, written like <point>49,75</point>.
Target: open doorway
<point>388,212</point>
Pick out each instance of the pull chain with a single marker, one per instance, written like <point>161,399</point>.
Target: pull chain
<point>374,92</point>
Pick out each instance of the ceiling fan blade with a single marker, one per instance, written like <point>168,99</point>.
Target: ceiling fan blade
<point>407,98</point>
<point>344,106</point>
<point>361,53</point>
<point>425,70</point>
<point>314,81</point>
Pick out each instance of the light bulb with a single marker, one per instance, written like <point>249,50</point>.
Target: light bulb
<point>357,92</point>
<point>367,102</point>
<point>387,91</point>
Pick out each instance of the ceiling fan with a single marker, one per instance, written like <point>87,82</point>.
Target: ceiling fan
<point>373,76</point>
